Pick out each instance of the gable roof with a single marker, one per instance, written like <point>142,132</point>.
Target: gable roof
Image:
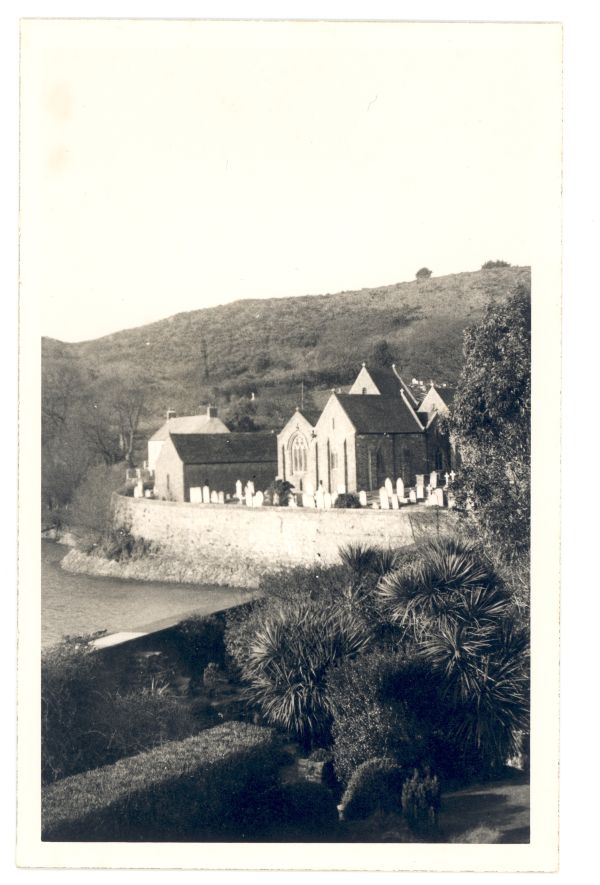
<point>225,448</point>
<point>385,381</point>
<point>379,414</point>
<point>190,424</point>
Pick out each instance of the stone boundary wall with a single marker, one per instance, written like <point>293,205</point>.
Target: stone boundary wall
<point>272,536</point>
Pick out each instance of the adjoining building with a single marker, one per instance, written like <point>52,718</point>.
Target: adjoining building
<point>375,431</point>
<point>217,460</point>
<point>209,422</point>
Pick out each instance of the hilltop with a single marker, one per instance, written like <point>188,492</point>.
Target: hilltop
<point>269,347</point>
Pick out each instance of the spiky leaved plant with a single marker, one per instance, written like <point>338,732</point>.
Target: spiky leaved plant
<point>286,667</point>
<point>361,558</point>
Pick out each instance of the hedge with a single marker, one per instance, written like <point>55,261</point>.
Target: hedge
<point>199,788</point>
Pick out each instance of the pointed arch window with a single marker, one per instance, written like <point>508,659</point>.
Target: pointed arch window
<point>299,452</point>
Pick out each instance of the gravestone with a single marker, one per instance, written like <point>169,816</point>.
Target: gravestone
<point>310,489</point>
<point>433,479</point>
<point>320,499</point>
<point>412,496</point>
<point>138,491</point>
<point>238,489</point>
<point>395,502</point>
<point>307,500</point>
<point>196,495</point>
<point>446,477</point>
<point>214,497</point>
<point>362,498</point>
<point>327,501</point>
<point>399,487</point>
<point>205,494</point>
<point>148,493</point>
<point>452,475</point>
<point>341,489</point>
<point>437,496</point>
<point>420,486</point>
<point>248,497</point>
<point>384,501</point>
<point>221,498</point>
<point>250,486</point>
<point>389,488</point>
<point>259,499</point>
<point>451,501</point>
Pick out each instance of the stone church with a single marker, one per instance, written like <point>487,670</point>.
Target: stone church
<point>376,430</point>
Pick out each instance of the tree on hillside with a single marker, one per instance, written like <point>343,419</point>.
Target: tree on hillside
<point>423,274</point>
<point>497,263</point>
<point>381,356</point>
<point>490,422</point>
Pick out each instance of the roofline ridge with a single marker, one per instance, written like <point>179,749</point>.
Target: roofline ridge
<point>404,385</point>
<point>412,411</point>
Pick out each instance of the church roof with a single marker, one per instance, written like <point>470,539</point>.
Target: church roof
<point>379,414</point>
<point>190,424</point>
<point>386,381</point>
<point>225,448</point>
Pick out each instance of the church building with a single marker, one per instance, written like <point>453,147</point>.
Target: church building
<point>376,430</point>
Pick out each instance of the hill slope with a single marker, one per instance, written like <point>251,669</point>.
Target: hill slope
<point>271,346</point>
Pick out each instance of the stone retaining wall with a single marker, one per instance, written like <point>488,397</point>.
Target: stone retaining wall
<point>272,536</point>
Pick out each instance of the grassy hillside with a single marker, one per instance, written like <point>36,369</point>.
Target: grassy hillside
<point>269,347</point>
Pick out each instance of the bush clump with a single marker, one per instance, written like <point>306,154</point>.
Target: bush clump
<point>497,263</point>
<point>421,800</point>
<point>89,719</point>
<point>376,785</point>
<point>347,500</point>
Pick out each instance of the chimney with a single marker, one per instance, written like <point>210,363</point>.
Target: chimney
<point>171,414</point>
<point>212,412</point>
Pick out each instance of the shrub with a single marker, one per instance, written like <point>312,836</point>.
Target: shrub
<point>347,500</point>
<point>497,263</point>
<point>200,787</point>
<point>376,785</point>
<point>287,662</point>
<point>421,800</point>
<point>381,706</point>
<point>88,720</point>
<point>91,505</point>
<point>280,490</point>
<point>360,558</point>
<point>423,273</point>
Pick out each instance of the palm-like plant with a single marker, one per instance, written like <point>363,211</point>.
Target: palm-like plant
<point>288,660</point>
<point>360,558</point>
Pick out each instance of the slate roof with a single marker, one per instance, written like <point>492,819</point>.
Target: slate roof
<point>311,415</point>
<point>379,414</point>
<point>385,381</point>
<point>190,424</point>
<point>225,448</point>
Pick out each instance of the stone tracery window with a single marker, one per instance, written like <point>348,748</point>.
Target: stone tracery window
<point>299,450</point>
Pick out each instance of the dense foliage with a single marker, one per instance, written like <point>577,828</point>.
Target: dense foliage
<point>490,422</point>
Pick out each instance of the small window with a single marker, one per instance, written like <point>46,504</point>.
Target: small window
<point>168,481</point>
<point>364,390</point>
<point>334,460</point>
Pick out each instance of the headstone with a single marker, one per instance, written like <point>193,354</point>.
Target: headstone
<point>433,479</point>
<point>399,487</point>
<point>420,486</point>
<point>389,488</point>
<point>320,499</point>
<point>259,499</point>
<point>221,498</point>
<point>206,494</point>
<point>238,489</point>
<point>362,497</point>
<point>446,477</point>
<point>248,497</point>
<point>412,496</point>
<point>138,491</point>
<point>214,497</point>
<point>148,493</point>
<point>395,502</point>
<point>452,475</point>
<point>251,486</point>
<point>310,489</point>
<point>384,501</point>
<point>341,489</point>
<point>437,496</point>
<point>307,500</point>
<point>327,501</point>
<point>451,501</point>
<point>196,495</point>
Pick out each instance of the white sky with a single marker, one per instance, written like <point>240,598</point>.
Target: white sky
<point>168,166</point>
